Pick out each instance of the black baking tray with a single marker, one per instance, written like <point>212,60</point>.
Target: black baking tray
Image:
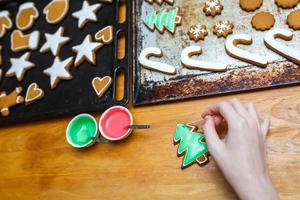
<point>77,95</point>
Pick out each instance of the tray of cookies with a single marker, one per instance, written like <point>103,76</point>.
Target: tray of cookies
<point>195,48</point>
<point>60,57</point>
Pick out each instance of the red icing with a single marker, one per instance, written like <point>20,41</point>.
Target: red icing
<point>114,122</point>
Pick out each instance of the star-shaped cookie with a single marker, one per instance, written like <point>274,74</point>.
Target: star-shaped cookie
<point>54,42</point>
<point>19,66</point>
<point>87,13</point>
<point>59,70</point>
<point>86,51</point>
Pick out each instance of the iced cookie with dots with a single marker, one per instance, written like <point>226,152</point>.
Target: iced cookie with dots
<point>26,16</point>
<point>287,3</point>
<point>197,32</point>
<point>263,21</point>
<point>34,93</point>
<point>212,7</point>
<point>223,28</point>
<point>56,11</point>
<point>19,66</point>
<point>21,42</point>
<point>8,101</point>
<point>293,20</point>
<point>5,22</point>
<point>250,5</point>
<point>86,14</point>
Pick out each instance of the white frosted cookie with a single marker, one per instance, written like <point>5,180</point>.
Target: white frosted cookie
<point>154,65</point>
<point>26,16</point>
<point>234,51</point>
<point>187,61</point>
<point>5,22</point>
<point>21,42</point>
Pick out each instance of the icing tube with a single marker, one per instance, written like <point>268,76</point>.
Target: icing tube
<point>198,64</point>
<point>154,65</point>
<point>234,51</point>
<point>283,50</point>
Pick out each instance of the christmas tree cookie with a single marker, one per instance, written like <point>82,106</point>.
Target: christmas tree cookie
<point>163,20</point>
<point>191,145</point>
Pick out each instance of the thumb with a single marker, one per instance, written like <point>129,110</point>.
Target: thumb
<point>213,141</point>
<point>265,125</point>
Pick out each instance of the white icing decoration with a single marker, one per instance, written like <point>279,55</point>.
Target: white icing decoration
<point>213,4</point>
<point>198,64</point>
<point>202,162</point>
<point>5,14</point>
<point>86,50</point>
<point>285,51</point>
<point>154,65</point>
<point>34,38</point>
<point>222,26</point>
<point>59,70</point>
<point>19,66</point>
<point>231,47</point>
<point>87,13</point>
<point>54,41</point>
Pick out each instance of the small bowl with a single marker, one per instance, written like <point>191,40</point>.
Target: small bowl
<point>80,130</point>
<point>113,123</point>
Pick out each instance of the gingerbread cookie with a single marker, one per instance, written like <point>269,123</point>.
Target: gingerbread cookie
<point>163,20</point>
<point>106,1</point>
<point>191,145</point>
<point>26,15</point>
<point>263,21</point>
<point>171,2</point>
<point>34,93</point>
<point>0,57</point>
<point>19,66</point>
<point>8,101</point>
<point>5,22</point>
<point>197,32</point>
<point>250,5</point>
<point>101,85</point>
<point>235,52</point>
<point>187,61</point>
<point>212,7</point>
<point>54,42</point>
<point>223,28</point>
<point>293,20</point>
<point>105,35</point>
<point>60,70</point>
<point>20,42</point>
<point>283,50</point>
<point>154,65</point>
<point>86,51</point>
<point>56,10</point>
<point>87,13</point>
<point>287,3</point>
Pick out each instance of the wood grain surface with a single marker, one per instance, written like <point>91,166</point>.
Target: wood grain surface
<point>37,163</point>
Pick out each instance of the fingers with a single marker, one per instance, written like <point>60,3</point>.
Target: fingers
<point>265,126</point>
<point>211,135</point>
<point>240,108</point>
<point>252,112</point>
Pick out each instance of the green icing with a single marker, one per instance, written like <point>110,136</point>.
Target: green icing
<point>190,143</point>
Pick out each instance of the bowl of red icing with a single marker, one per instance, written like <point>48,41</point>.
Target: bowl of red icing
<point>114,122</point>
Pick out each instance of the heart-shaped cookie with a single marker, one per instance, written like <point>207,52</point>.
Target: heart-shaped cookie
<point>34,93</point>
<point>101,85</point>
<point>105,35</point>
<point>26,15</point>
<point>20,42</point>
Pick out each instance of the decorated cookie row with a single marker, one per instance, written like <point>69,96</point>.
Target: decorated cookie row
<point>232,50</point>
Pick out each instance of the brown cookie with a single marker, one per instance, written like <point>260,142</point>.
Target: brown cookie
<point>223,28</point>
<point>101,85</point>
<point>197,32</point>
<point>293,20</point>
<point>212,7</point>
<point>263,21</point>
<point>287,3</point>
<point>10,100</point>
<point>34,93</point>
<point>250,5</point>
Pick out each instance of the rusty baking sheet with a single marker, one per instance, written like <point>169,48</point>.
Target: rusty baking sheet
<point>153,87</point>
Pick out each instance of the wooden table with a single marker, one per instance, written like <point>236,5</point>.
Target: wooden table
<point>37,163</point>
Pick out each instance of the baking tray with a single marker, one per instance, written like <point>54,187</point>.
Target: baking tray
<point>77,95</point>
<point>154,87</point>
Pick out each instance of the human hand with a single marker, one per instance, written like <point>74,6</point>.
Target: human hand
<point>241,155</point>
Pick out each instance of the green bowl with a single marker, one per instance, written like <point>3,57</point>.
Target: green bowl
<point>81,130</point>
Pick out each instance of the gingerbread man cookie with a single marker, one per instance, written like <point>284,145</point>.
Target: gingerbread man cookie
<point>101,85</point>
<point>20,42</point>
<point>263,21</point>
<point>8,101</point>
<point>26,15</point>
<point>223,28</point>
<point>212,7</point>
<point>287,3</point>
<point>5,22</point>
<point>293,20</point>
<point>34,93</point>
<point>197,32</point>
<point>250,5</point>
<point>56,10</point>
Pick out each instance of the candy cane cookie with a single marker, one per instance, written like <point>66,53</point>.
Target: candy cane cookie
<point>235,52</point>
<point>188,62</point>
<point>285,51</point>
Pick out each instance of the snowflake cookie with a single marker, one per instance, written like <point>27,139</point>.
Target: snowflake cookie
<point>197,32</point>
<point>213,7</point>
<point>223,28</point>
